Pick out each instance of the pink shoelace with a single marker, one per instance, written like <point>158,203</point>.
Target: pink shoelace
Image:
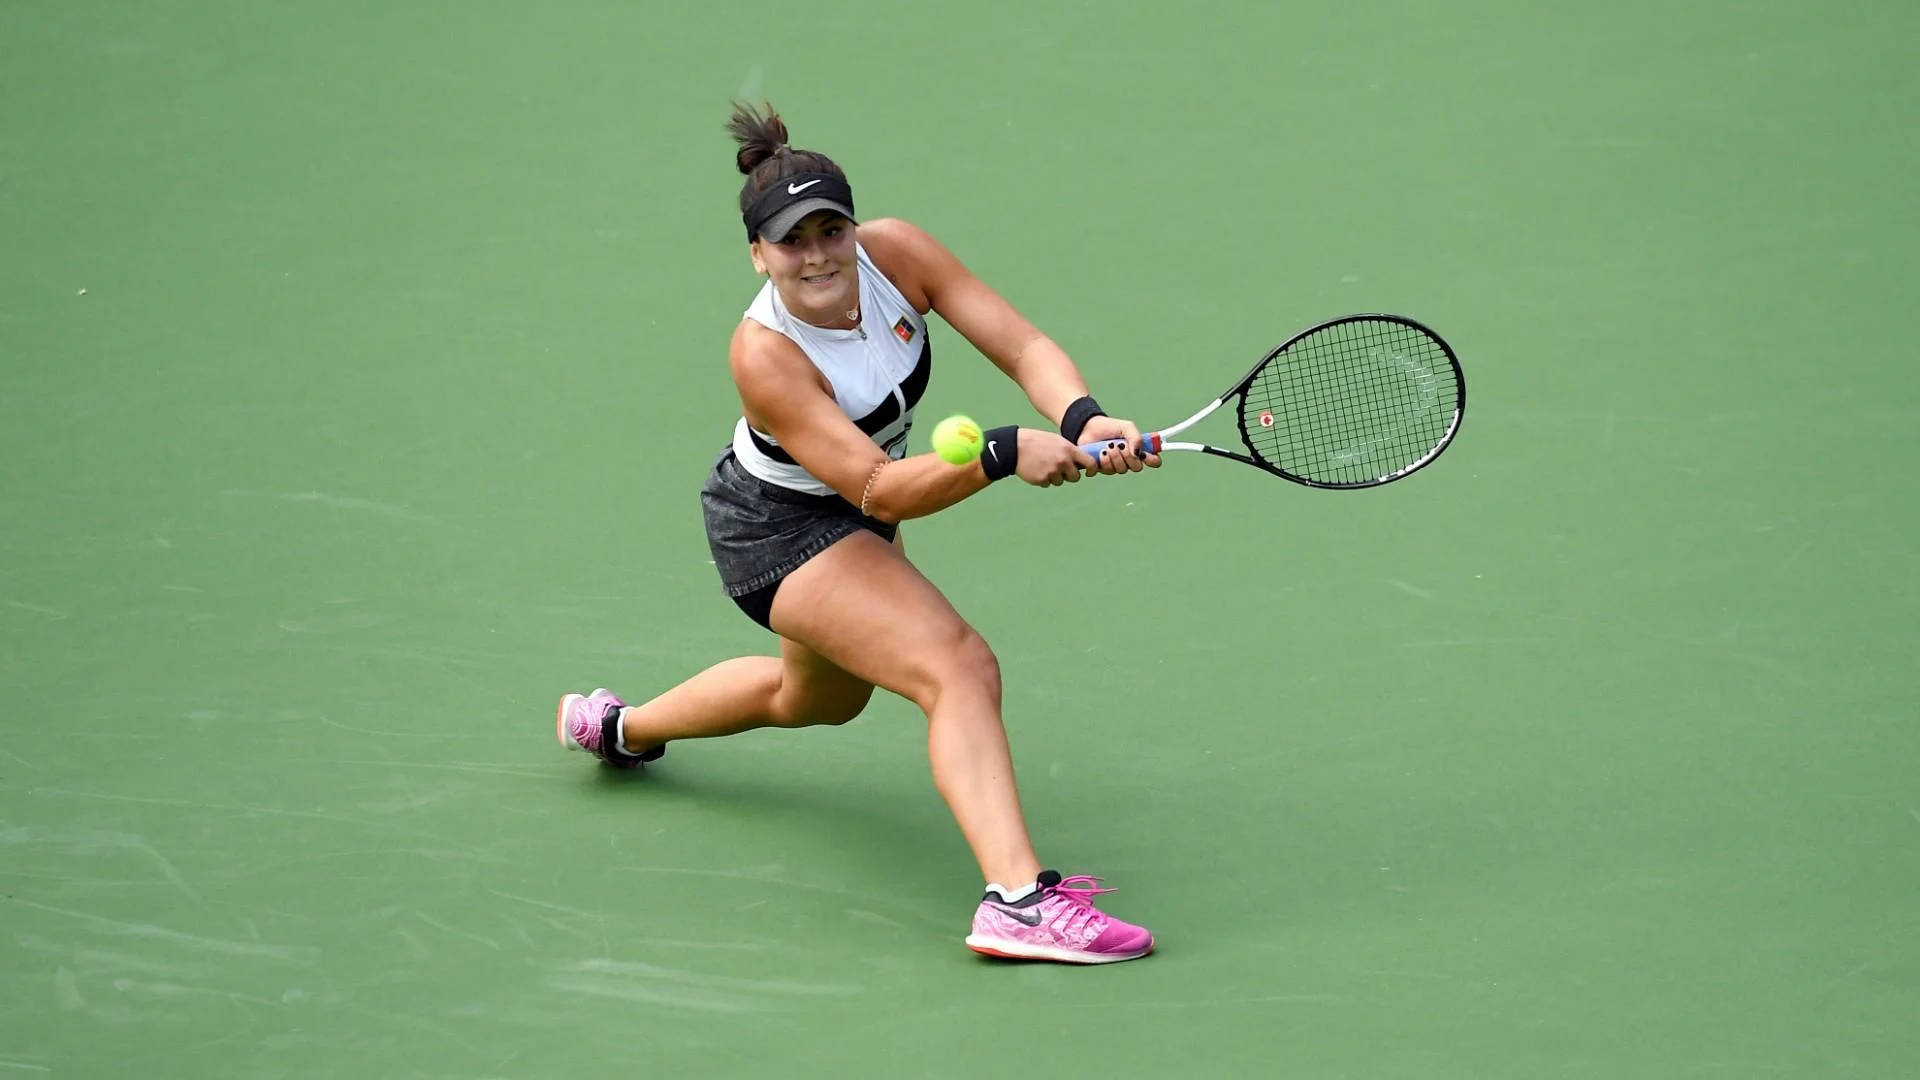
<point>1078,892</point>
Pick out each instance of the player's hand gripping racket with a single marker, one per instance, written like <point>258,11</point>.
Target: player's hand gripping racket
<point>1355,402</point>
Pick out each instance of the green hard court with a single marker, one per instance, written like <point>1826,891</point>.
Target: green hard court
<point>359,363</point>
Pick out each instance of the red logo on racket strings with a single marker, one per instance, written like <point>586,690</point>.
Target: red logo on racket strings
<point>1266,418</point>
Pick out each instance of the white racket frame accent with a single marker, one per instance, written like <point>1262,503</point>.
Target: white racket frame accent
<point>1184,425</point>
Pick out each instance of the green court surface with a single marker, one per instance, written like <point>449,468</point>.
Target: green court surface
<point>359,363</point>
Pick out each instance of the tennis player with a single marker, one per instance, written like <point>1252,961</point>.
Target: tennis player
<point>803,511</point>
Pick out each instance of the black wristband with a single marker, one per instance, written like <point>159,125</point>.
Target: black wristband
<point>1074,420</point>
<point>1000,451</point>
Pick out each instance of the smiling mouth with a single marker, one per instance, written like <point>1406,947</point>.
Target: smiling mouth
<point>820,279</point>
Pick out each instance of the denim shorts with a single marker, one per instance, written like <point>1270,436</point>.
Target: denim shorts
<point>760,532</point>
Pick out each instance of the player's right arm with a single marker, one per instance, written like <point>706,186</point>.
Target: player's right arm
<point>782,394</point>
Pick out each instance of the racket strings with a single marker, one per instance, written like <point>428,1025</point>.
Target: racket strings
<point>1354,403</point>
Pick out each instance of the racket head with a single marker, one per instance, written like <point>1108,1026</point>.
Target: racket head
<point>1354,402</point>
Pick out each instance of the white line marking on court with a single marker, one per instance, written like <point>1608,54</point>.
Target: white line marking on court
<point>290,953</point>
<point>89,840</point>
<point>678,943</point>
<point>545,904</point>
<point>340,502</point>
<point>37,609</point>
<point>235,808</point>
<point>348,502</point>
<point>412,939</point>
<point>669,997</point>
<point>758,879</point>
<point>875,917</point>
<point>437,924</point>
<point>637,970</point>
<point>172,873</point>
<point>330,722</point>
<point>1410,590</point>
<point>66,990</point>
<point>482,767</point>
<point>572,931</point>
<point>1210,1003</point>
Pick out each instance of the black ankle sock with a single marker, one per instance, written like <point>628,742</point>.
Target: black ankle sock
<point>617,746</point>
<point>610,734</point>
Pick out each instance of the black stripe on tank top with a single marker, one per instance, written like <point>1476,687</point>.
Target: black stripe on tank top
<point>912,388</point>
<point>916,382</point>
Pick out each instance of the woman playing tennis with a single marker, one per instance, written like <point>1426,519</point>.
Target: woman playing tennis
<point>803,510</point>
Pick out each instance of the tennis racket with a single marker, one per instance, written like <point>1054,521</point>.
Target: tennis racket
<point>1354,402</point>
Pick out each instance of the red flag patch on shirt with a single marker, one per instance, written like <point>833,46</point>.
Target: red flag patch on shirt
<point>903,329</point>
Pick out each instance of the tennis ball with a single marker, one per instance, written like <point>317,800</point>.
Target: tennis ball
<point>957,440</point>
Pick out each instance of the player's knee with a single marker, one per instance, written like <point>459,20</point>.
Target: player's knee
<point>983,666</point>
<point>964,663</point>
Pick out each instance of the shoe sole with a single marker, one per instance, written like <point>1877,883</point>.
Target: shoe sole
<point>1014,950</point>
<point>560,723</point>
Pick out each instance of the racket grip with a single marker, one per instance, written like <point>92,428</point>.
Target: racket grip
<point>1149,444</point>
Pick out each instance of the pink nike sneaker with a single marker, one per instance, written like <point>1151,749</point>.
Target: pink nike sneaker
<point>592,723</point>
<point>1056,922</point>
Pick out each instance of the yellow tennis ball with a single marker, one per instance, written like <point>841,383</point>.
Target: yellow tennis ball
<point>957,440</point>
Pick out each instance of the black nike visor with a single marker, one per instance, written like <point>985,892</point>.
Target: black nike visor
<point>775,211</point>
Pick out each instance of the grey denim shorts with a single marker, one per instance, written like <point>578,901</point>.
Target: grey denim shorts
<point>760,532</point>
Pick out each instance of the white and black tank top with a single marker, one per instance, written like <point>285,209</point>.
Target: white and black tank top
<point>878,373</point>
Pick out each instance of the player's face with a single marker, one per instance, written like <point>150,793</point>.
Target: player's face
<point>814,268</point>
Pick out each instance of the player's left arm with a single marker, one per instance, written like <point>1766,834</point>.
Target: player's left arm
<point>1034,361</point>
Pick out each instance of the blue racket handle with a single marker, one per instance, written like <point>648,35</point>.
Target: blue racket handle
<point>1149,444</point>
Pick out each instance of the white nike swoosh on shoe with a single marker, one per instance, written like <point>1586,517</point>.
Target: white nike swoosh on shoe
<point>795,189</point>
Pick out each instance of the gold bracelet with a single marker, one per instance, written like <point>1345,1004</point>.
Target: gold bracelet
<point>867,492</point>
